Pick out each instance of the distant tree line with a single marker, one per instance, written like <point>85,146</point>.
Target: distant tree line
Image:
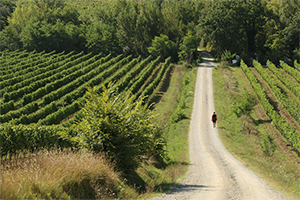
<point>267,29</point>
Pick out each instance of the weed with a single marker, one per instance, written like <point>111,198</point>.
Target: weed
<point>267,144</point>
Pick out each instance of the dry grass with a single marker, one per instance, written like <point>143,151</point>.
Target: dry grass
<point>80,175</point>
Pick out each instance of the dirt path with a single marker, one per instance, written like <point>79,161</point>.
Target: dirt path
<point>214,173</point>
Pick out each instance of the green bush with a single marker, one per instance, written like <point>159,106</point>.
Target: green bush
<point>119,126</point>
<point>244,104</point>
<point>227,55</point>
<point>267,144</point>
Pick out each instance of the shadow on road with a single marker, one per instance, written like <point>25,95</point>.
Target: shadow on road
<point>207,60</point>
<point>178,188</point>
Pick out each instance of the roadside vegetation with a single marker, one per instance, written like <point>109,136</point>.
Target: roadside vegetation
<point>249,134</point>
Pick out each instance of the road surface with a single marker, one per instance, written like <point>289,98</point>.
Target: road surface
<point>214,174</point>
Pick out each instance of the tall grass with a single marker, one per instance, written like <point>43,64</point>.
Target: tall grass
<point>177,104</point>
<point>64,175</point>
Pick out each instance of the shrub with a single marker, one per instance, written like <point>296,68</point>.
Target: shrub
<point>119,126</point>
<point>267,144</point>
<point>244,104</point>
<point>227,55</point>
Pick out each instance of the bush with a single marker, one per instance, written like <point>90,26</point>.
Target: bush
<point>119,126</point>
<point>267,144</point>
<point>164,47</point>
<point>227,55</point>
<point>244,104</point>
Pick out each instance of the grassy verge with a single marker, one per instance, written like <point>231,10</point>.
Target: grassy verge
<point>252,139</point>
<point>64,175</point>
<point>174,112</point>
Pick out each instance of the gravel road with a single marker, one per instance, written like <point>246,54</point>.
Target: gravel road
<point>213,172</point>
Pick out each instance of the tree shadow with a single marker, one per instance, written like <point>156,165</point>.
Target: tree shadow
<point>134,180</point>
<point>161,165</point>
<point>179,188</point>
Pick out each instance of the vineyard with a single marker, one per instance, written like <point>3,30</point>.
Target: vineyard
<point>278,90</point>
<point>41,93</point>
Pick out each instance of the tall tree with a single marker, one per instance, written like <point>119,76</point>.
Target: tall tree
<point>290,17</point>
<point>101,37</point>
<point>138,23</point>
<point>6,9</point>
<point>220,25</point>
<point>50,4</point>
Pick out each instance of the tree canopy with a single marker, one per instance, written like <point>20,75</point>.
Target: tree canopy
<point>267,29</point>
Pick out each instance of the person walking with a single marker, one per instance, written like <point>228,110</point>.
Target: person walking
<point>214,119</point>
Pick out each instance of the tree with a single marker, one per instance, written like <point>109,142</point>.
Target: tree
<point>10,39</point>
<point>188,47</point>
<point>232,25</point>
<point>22,15</point>
<point>162,46</point>
<point>138,23</point>
<point>45,36</point>
<point>101,37</point>
<point>50,4</point>
<point>172,26</point>
<point>219,26</point>
<point>291,34</point>
<point>6,8</point>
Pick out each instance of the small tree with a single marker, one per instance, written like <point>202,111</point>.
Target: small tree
<point>188,47</point>
<point>119,126</point>
<point>162,46</point>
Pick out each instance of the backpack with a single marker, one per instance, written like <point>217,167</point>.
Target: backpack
<point>214,117</point>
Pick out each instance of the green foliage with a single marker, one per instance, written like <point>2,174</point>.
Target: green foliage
<point>180,111</point>
<point>250,28</point>
<point>218,26</point>
<point>103,38</point>
<point>227,55</point>
<point>6,8</point>
<point>188,47</point>
<point>162,46</point>
<point>243,104</point>
<point>119,126</point>
<point>289,18</point>
<point>28,138</point>
<point>49,4</point>
<point>297,54</point>
<point>106,26</point>
<point>280,122</point>
<point>10,39</point>
<point>276,46</point>
<point>45,36</point>
<point>151,87</point>
<point>267,144</point>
